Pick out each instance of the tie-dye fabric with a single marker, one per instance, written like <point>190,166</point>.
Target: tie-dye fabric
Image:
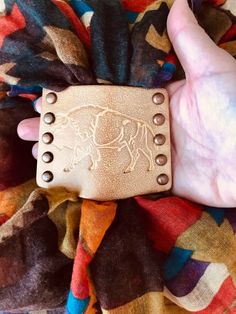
<point>155,254</point>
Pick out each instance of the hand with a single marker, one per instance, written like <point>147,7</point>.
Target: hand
<point>28,129</point>
<point>203,115</point>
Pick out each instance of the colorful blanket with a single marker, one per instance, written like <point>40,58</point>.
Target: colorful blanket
<point>154,254</point>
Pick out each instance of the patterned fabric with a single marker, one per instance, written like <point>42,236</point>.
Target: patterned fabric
<point>154,254</point>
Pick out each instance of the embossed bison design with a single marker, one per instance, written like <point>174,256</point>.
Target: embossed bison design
<point>91,123</point>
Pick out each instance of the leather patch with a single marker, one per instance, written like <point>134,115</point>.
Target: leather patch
<point>105,142</point>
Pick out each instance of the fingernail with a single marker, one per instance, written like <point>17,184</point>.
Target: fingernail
<point>22,129</point>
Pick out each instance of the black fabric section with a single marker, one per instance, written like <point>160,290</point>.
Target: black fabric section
<point>125,265</point>
<point>110,41</point>
<point>16,161</point>
<point>23,47</point>
<point>52,75</point>
<point>144,67</point>
<point>42,13</point>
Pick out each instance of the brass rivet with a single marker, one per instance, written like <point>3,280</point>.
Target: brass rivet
<point>51,98</point>
<point>49,118</point>
<point>158,98</point>
<point>47,138</point>
<point>161,160</point>
<point>47,157</point>
<point>158,119</point>
<point>162,179</point>
<point>159,139</point>
<point>47,176</point>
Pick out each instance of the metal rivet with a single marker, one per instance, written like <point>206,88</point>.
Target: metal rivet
<point>158,119</point>
<point>51,98</point>
<point>47,138</point>
<point>49,118</point>
<point>158,98</point>
<point>47,176</point>
<point>47,157</point>
<point>159,139</point>
<point>162,179</point>
<point>161,160</point>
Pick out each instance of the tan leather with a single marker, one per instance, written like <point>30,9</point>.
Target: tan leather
<point>102,141</point>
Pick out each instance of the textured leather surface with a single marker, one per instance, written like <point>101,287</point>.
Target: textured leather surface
<point>101,141</point>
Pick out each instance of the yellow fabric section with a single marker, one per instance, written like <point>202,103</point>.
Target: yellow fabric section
<point>230,47</point>
<point>96,218</point>
<point>149,303</point>
<point>172,308</point>
<point>157,41</point>
<point>14,198</point>
<point>64,211</point>
<point>211,243</point>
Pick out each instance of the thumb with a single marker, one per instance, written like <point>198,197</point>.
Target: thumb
<point>197,52</point>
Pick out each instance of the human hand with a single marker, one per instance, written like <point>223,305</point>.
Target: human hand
<point>203,115</point>
<point>28,129</point>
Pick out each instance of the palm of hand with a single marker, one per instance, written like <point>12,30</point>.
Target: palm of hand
<point>203,114</point>
<point>203,123</point>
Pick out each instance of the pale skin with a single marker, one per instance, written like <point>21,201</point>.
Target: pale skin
<point>203,115</point>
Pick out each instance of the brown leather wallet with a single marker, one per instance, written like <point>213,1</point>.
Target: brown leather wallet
<point>105,142</point>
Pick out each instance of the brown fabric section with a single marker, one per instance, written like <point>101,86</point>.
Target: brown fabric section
<point>34,274</point>
<point>215,22</point>
<point>125,265</point>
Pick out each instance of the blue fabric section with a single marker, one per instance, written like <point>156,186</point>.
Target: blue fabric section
<point>216,213</point>
<point>16,90</point>
<point>76,306</point>
<point>175,262</point>
<point>80,7</point>
<point>131,16</point>
<point>169,67</point>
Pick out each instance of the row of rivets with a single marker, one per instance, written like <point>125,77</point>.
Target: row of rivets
<point>158,98</point>
<point>51,98</point>
<point>48,138</point>
<point>47,157</point>
<point>158,119</point>
<point>162,179</point>
<point>49,118</point>
<point>47,176</point>
<point>160,139</point>
<point>161,160</point>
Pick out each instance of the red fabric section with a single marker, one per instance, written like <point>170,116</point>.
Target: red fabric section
<point>28,96</point>
<point>3,219</point>
<point>79,283</point>
<point>229,35</point>
<point>216,2</point>
<point>79,27</point>
<point>136,5</point>
<point>11,23</point>
<point>223,301</point>
<point>168,218</point>
<point>171,59</point>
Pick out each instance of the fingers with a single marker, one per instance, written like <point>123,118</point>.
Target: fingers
<point>35,150</point>
<point>197,53</point>
<point>38,105</point>
<point>29,129</point>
